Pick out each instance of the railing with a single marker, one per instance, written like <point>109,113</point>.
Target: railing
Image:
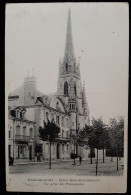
<point>22,138</point>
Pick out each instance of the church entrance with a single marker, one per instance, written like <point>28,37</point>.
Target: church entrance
<point>58,151</point>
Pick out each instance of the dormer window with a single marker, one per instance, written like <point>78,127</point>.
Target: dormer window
<point>23,114</point>
<point>17,113</point>
<point>13,113</point>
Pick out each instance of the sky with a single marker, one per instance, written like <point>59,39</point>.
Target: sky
<point>35,39</point>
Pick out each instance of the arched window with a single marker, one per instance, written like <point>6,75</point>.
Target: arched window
<point>57,105</point>
<point>66,88</point>
<point>24,131</point>
<point>31,132</point>
<point>66,67</point>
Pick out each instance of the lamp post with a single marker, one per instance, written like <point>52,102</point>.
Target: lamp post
<point>13,140</point>
<point>74,153</point>
<point>50,151</point>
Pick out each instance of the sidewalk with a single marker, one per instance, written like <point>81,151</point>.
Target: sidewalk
<point>46,162</point>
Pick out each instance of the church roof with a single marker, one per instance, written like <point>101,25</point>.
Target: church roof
<point>46,99</point>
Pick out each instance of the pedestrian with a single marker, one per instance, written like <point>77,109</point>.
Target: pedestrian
<point>11,160</point>
<point>80,159</point>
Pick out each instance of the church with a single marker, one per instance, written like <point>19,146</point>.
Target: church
<point>68,107</point>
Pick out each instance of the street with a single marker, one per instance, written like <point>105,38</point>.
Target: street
<point>67,168</point>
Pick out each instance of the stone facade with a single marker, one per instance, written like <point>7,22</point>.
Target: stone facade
<point>20,135</point>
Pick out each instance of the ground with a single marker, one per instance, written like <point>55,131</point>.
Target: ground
<point>67,168</point>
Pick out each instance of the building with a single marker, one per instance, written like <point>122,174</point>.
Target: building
<point>68,106</point>
<point>20,135</point>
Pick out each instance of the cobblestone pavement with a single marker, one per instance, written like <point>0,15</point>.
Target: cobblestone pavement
<point>67,167</point>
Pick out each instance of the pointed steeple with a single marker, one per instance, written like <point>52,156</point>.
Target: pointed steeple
<point>60,67</point>
<point>59,75</point>
<point>69,51</point>
<point>84,102</point>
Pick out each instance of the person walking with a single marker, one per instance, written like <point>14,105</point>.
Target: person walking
<point>80,159</point>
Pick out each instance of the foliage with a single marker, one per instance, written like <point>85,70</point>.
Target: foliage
<point>99,133</point>
<point>49,132</point>
<point>116,133</point>
<point>95,135</point>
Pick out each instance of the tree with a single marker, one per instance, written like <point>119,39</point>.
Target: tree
<point>87,138</point>
<point>98,128</point>
<point>49,132</point>
<point>78,139</point>
<point>116,135</point>
<point>104,140</point>
<point>74,140</point>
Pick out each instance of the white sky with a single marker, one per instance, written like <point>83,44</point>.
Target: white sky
<point>35,38</point>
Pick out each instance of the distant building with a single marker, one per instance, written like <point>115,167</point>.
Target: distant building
<point>68,106</point>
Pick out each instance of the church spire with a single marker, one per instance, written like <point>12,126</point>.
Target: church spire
<point>59,75</point>
<point>84,103</point>
<point>69,53</point>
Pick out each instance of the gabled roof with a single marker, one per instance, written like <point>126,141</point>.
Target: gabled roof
<point>47,99</point>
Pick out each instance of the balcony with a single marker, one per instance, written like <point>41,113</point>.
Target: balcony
<point>22,138</point>
<point>63,139</point>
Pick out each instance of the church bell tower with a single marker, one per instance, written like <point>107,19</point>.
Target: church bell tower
<point>69,82</point>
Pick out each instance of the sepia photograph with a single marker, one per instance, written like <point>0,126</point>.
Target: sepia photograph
<point>66,97</point>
